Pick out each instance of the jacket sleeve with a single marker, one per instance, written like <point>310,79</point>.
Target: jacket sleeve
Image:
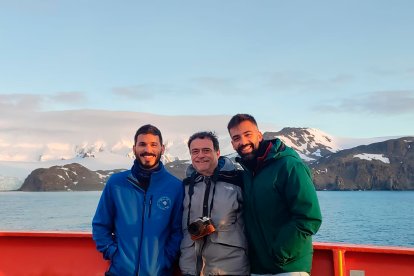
<point>103,225</point>
<point>294,238</point>
<point>176,235</point>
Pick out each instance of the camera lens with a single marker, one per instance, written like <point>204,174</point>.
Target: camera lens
<point>195,228</point>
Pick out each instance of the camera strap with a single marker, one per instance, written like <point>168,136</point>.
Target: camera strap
<point>206,210</point>
<point>190,195</point>
<point>207,181</point>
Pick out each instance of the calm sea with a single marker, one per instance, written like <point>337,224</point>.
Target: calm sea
<point>380,218</point>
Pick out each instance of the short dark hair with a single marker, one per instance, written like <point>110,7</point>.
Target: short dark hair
<point>239,118</point>
<point>205,135</point>
<point>148,129</point>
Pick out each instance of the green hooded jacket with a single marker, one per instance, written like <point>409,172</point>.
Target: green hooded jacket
<point>281,211</point>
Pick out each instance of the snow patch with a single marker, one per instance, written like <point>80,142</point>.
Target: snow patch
<point>101,176</point>
<point>305,158</point>
<point>317,153</point>
<point>370,157</point>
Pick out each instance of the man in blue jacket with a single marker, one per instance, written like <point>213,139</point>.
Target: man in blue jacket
<point>137,224</point>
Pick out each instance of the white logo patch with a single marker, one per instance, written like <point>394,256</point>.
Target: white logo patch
<point>229,188</point>
<point>164,203</point>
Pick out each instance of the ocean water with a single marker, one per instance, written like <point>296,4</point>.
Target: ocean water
<point>367,217</point>
<point>360,217</point>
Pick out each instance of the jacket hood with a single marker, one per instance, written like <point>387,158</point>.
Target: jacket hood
<point>268,150</point>
<point>279,150</point>
<point>224,165</point>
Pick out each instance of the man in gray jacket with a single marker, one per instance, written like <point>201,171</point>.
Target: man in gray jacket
<point>213,228</point>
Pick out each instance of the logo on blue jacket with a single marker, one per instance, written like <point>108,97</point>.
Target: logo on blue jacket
<point>164,203</point>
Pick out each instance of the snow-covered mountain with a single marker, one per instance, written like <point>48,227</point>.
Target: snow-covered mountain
<point>96,139</point>
<point>102,140</point>
<point>312,143</point>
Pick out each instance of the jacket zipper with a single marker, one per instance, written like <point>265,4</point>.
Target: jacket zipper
<point>142,234</point>
<point>150,207</point>
<point>142,221</point>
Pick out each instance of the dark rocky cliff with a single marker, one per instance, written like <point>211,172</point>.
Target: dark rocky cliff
<point>71,177</point>
<point>387,165</point>
<point>75,177</point>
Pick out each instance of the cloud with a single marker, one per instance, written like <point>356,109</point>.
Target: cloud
<point>381,102</point>
<point>38,102</point>
<point>20,102</point>
<point>68,97</point>
<point>141,92</point>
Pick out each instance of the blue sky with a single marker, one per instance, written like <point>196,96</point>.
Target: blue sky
<point>345,67</point>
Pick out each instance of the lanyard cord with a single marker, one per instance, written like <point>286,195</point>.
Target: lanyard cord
<point>207,181</point>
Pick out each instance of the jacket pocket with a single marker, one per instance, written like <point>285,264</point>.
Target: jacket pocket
<point>229,235</point>
<point>288,249</point>
<point>187,257</point>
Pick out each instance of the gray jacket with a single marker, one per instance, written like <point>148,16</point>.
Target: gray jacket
<point>224,251</point>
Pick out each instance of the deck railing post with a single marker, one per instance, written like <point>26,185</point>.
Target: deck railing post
<point>339,261</point>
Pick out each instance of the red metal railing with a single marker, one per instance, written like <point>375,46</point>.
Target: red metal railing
<point>361,260</point>
<point>74,253</point>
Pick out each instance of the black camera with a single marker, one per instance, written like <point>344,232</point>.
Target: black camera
<point>201,227</point>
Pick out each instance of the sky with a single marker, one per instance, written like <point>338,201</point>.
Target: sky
<point>344,67</point>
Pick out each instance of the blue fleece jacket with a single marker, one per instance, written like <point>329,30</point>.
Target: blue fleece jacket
<point>139,230</point>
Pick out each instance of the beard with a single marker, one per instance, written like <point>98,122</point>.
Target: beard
<point>148,165</point>
<point>247,156</point>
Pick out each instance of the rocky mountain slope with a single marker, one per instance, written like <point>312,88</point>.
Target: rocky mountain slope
<point>387,165</point>
<point>75,177</point>
<point>310,143</point>
<point>71,177</point>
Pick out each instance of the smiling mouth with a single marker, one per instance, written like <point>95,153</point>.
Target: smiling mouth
<point>246,148</point>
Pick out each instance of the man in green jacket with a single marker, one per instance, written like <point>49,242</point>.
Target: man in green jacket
<point>281,207</point>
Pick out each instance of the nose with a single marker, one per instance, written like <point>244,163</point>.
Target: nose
<point>147,148</point>
<point>200,154</point>
<point>243,140</point>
